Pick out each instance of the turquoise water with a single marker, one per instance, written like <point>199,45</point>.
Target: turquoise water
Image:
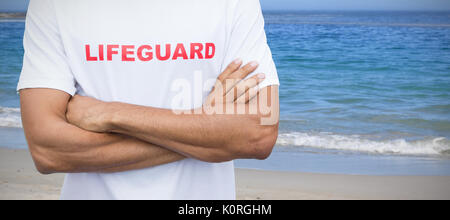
<point>11,54</point>
<point>375,82</point>
<point>362,89</point>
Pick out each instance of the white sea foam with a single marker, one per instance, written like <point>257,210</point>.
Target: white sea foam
<point>427,146</point>
<point>10,117</point>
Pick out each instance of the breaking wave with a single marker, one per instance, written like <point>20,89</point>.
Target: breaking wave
<point>426,146</point>
<point>10,117</point>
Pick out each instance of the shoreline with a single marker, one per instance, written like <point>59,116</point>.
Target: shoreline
<point>21,15</point>
<point>20,180</point>
<point>312,160</point>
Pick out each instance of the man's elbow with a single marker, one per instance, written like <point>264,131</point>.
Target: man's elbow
<point>47,162</point>
<point>43,169</point>
<point>262,142</point>
<point>43,163</point>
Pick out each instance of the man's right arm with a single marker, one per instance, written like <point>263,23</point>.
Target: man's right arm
<point>59,147</point>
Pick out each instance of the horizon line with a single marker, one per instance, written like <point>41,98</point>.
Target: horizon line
<point>314,10</point>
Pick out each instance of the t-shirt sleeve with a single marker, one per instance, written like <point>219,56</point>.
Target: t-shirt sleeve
<point>44,63</point>
<point>248,40</point>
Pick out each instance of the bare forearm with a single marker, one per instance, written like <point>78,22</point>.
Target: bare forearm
<point>196,135</point>
<point>175,131</point>
<point>58,146</point>
<point>69,149</point>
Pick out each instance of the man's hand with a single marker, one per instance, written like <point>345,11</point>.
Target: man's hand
<point>87,113</point>
<point>230,88</point>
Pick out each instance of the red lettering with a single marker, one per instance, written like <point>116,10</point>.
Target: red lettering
<point>130,53</point>
<point>149,54</point>
<point>196,48</point>
<point>180,52</point>
<point>126,51</point>
<point>88,54</point>
<point>158,52</point>
<point>101,52</point>
<point>210,50</point>
<point>111,52</point>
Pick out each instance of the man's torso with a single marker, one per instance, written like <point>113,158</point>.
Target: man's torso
<point>119,51</point>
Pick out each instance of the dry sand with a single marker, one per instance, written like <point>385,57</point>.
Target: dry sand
<point>19,180</point>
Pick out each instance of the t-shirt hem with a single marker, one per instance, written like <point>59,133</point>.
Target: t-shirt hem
<point>47,84</point>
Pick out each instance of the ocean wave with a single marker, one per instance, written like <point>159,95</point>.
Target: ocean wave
<point>427,146</point>
<point>10,117</point>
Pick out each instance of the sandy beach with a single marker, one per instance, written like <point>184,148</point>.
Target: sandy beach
<point>20,180</point>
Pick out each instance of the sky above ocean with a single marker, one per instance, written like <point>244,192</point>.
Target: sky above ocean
<point>417,5</point>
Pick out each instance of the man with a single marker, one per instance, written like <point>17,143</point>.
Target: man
<point>139,126</point>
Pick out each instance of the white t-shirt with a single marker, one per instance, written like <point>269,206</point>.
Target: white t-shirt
<point>144,52</point>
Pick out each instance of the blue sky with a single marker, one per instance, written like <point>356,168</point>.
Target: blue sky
<point>20,5</point>
<point>357,4</point>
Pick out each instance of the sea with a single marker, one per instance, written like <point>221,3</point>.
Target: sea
<point>361,92</point>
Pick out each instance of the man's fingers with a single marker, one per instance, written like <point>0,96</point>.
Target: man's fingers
<point>248,96</point>
<point>228,79</point>
<point>243,86</point>
<point>239,75</point>
<point>231,68</point>
<point>244,71</point>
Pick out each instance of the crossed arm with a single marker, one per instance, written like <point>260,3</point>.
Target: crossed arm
<point>96,136</point>
<point>58,146</point>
